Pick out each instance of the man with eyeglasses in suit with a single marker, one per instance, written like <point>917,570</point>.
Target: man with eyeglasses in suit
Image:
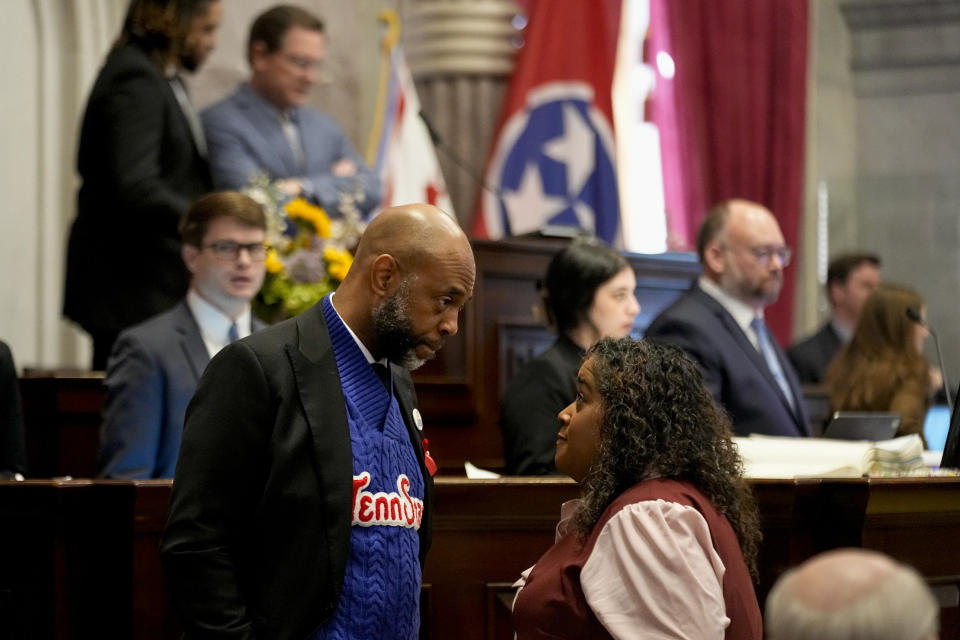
<point>265,127</point>
<point>154,368</point>
<point>719,321</point>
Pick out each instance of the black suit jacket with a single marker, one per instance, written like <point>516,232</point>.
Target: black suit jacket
<point>812,356</point>
<point>12,450</point>
<point>528,413</point>
<point>733,369</point>
<point>260,517</point>
<point>152,374</point>
<point>140,168</point>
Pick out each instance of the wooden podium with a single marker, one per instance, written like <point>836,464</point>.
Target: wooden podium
<point>80,559</point>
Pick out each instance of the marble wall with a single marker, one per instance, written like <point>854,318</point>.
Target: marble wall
<point>885,100</point>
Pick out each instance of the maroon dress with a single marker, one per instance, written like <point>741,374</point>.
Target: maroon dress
<point>552,604</point>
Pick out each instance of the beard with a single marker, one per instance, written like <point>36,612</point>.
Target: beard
<point>763,292</point>
<point>190,61</point>
<point>391,321</point>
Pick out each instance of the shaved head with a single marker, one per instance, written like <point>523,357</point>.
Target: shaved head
<point>410,233</point>
<point>851,593</point>
<point>412,273</point>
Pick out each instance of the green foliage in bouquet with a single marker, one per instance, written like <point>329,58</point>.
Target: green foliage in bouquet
<point>309,254</point>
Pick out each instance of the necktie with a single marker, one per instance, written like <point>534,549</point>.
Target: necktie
<point>233,335</point>
<point>770,355</point>
<point>382,373</point>
<point>292,135</point>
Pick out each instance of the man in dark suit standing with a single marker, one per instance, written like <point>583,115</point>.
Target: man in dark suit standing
<point>851,278</point>
<point>720,321</point>
<point>265,126</point>
<point>142,160</point>
<point>301,501</point>
<point>154,368</point>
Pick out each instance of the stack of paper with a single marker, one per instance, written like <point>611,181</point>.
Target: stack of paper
<point>779,457</point>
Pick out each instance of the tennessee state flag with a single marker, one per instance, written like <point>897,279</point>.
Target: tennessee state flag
<point>552,162</point>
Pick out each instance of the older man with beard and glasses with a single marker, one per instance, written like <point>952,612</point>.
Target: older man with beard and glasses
<point>301,499</point>
<point>719,321</point>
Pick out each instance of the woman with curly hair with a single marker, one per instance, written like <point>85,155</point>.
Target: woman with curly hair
<point>588,294</point>
<point>883,367</point>
<point>663,541</point>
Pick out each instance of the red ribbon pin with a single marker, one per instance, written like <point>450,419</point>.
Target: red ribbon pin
<point>428,459</point>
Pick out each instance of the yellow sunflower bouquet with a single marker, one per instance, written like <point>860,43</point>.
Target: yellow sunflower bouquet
<point>309,254</point>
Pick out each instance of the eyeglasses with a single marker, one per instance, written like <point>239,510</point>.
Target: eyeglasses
<point>763,254</point>
<point>301,63</point>
<point>228,250</point>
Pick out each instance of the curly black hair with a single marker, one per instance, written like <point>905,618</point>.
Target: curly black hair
<point>659,420</point>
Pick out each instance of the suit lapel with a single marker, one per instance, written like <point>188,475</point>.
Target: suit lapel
<point>406,398</point>
<point>181,100</point>
<point>752,354</point>
<point>191,342</point>
<point>731,326</point>
<point>264,126</point>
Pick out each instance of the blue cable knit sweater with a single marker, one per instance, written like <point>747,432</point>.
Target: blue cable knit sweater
<point>381,589</point>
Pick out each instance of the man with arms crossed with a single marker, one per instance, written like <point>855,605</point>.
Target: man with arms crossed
<point>301,501</point>
<point>154,368</point>
<point>265,127</point>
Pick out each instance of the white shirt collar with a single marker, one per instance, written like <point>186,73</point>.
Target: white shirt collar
<point>742,313</point>
<point>215,324</point>
<point>843,331</point>
<point>363,348</point>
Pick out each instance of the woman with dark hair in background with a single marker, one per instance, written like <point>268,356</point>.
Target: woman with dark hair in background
<point>663,541</point>
<point>883,367</point>
<point>588,295</point>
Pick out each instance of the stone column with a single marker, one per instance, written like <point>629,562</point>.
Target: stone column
<point>461,53</point>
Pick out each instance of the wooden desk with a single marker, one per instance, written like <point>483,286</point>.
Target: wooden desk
<point>80,556</point>
<point>62,412</point>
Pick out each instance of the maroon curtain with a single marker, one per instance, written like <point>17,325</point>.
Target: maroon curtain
<point>731,119</point>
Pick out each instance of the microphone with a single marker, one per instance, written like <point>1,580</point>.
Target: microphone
<point>915,316</point>
<point>434,136</point>
<point>468,169</point>
<point>479,178</point>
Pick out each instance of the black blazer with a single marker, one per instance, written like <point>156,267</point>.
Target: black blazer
<point>531,402</point>
<point>812,356</point>
<point>12,449</point>
<point>260,517</point>
<point>140,168</point>
<point>733,369</point>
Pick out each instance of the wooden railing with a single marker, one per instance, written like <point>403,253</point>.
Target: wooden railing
<point>80,559</point>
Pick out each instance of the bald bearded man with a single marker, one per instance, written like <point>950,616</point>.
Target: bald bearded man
<point>301,500</point>
<point>851,594</point>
